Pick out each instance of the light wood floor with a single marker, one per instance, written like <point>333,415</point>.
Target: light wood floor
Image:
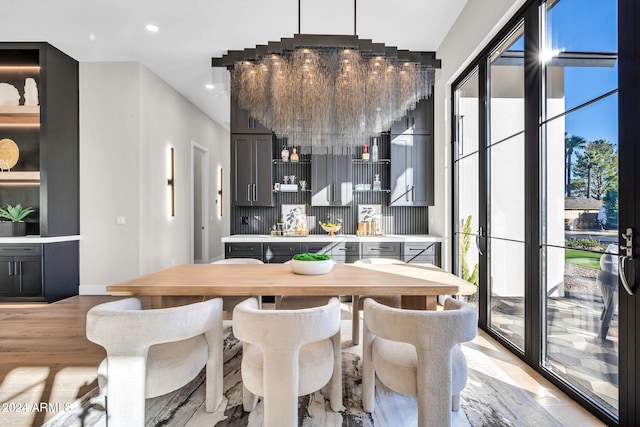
<point>46,362</point>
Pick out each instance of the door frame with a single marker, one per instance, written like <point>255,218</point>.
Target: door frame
<point>205,201</point>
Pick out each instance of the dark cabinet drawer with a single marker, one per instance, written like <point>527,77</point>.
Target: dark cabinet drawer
<point>381,250</point>
<point>17,250</point>
<point>422,252</point>
<point>345,252</point>
<point>316,247</point>
<point>243,250</point>
<point>280,252</point>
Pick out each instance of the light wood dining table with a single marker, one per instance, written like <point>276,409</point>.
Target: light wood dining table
<point>418,284</point>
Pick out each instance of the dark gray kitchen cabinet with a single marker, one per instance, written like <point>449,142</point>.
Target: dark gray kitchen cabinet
<point>331,180</point>
<point>243,250</point>
<point>422,252</point>
<point>411,170</point>
<point>346,252</point>
<point>242,122</point>
<point>21,272</point>
<point>417,121</point>
<point>382,250</point>
<point>251,170</point>
<point>279,252</point>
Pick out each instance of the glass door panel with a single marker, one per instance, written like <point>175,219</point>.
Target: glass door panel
<point>505,208</point>
<point>580,198</point>
<point>580,247</point>
<point>467,178</point>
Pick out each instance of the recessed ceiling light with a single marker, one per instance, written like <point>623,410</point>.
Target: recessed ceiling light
<point>209,86</point>
<point>152,28</point>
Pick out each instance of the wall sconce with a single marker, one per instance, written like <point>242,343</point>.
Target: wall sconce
<point>220,192</point>
<point>171,183</point>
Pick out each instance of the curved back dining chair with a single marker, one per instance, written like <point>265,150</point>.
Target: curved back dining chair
<point>389,300</point>
<point>153,352</point>
<point>229,302</point>
<point>287,354</point>
<point>417,353</point>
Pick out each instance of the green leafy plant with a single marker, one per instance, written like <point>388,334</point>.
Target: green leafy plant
<point>465,244</point>
<point>585,243</point>
<point>15,213</point>
<point>311,257</point>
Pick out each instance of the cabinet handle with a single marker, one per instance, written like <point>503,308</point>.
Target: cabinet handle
<point>10,263</point>
<point>20,273</point>
<point>407,120</point>
<point>249,122</point>
<point>329,193</point>
<point>406,193</point>
<point>255,192</point>
<point>248,192</point>
<point>413,122</point>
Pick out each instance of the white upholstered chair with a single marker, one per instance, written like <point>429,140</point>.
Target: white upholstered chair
<point>153,352</point>
<point>417,353</point>
<point>287,354</point>
<point>390,300</point>
<point>229,302</point>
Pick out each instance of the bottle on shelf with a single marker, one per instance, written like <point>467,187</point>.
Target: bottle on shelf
<point>284,154</point>
<point>365,153</point>
<point>294,156</point>
<point>377,185</point>
<point>374,150</point>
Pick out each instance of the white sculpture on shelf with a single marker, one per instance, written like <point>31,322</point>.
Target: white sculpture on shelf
<point>9,95</point>
<point>30,91</point>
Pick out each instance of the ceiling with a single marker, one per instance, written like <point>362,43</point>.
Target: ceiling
<point>192,32</point>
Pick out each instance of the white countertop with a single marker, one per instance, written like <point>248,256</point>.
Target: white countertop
<point>39,239</point>
<point>247,238</point>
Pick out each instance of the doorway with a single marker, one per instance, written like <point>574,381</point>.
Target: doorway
<point>200,204</point>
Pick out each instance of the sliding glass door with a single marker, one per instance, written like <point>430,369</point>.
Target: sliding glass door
<point>505,234</point>
<point>537,185</point>
<point>579,132</point>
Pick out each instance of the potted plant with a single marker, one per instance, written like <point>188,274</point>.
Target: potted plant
<point>15,226</point>
<point>311,264</point>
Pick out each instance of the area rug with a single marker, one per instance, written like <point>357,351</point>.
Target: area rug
<point>490,399</point>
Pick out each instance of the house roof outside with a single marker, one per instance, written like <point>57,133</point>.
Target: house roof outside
<point>582,204</point>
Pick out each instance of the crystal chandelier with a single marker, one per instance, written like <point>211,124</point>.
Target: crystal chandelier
<point>328,93</point>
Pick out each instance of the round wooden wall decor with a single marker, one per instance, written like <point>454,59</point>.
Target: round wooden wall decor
<point>9,154</point>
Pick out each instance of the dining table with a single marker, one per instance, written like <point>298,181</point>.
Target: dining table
<point>418,284</point>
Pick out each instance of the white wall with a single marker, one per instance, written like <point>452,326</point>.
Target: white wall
<point>128,120</point>
<point>473,29</point>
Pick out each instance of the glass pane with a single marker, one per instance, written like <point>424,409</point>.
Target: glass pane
<point>467,115</point>
<point>583,25</point>
<point>467,223</point>
<point>579,36</point>
<point>506,219</point>
<point>507,289</point>
<point>580,206</point>
<point>507,89</point>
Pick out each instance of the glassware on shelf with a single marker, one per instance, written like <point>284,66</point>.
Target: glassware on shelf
<point>365,153</point>
<point>374,151</point>
<point>284,154</point>
<point>294,156</point>
<point>377,185</point>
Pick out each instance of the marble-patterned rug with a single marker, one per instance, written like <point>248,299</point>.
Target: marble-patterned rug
<point>491,398</point>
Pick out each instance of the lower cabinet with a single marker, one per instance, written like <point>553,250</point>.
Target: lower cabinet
<point>340,252</point>
<point>382,250</point>
<point>274,253</point>
<point>21,271</point>
<point>345,252</point>
<point>243,250</point>
<point>422,252</point>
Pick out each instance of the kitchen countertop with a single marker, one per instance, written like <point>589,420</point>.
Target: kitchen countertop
<point>38,239</point>
<point>408,238</point>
